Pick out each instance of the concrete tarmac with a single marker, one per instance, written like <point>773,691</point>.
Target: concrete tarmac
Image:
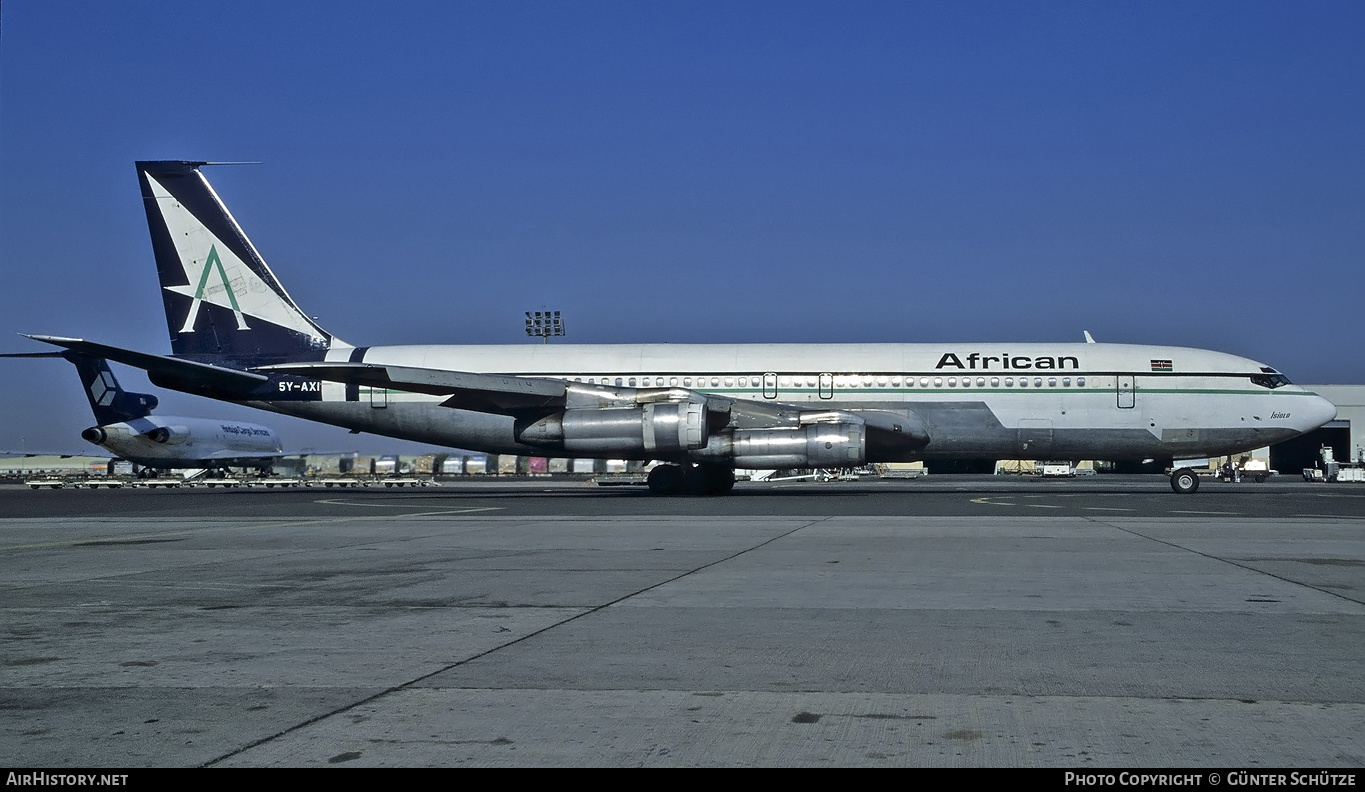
<point>966,625</point>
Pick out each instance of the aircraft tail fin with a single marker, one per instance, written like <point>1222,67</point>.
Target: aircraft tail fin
<point>223,304</point>
<point>108,400</point>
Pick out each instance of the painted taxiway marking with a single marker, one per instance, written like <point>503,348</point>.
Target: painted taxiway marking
<point>233,527</point>
<point>1219,514</point>
<point>989,502</point>
<point>462,510</point>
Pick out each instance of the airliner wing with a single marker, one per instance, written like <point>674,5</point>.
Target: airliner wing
<point>507,394</point>
<point>492,393</point>
<point>229,454</point>
<point>518,396</point>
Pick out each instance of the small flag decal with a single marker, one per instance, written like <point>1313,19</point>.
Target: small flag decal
<point>1162,365</point>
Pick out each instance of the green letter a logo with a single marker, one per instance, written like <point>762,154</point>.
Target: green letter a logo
<point>209,264</point>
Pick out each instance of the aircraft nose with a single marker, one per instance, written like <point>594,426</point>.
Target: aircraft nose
<point>1318,412</point>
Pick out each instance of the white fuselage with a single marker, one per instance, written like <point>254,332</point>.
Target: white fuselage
<point>164,441</point>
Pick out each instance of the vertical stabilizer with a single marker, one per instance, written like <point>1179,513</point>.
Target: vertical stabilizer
<point>108,401</point>
<point>223,304</point>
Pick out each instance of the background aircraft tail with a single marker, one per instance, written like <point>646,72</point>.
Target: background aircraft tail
<point>223,304</point>
<point>108,401</point>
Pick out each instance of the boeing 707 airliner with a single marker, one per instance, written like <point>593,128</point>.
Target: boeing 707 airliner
<point>700,410</point>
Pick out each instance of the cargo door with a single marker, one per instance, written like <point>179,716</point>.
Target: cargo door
<point>1035,438</point>
<point>1127,391</point>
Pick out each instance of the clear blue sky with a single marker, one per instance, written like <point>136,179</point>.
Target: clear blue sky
<point>1172,173</point>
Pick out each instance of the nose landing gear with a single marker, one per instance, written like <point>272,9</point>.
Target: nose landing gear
<point>1184,481</point>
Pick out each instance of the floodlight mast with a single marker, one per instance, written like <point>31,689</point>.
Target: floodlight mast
<point>543,324</point>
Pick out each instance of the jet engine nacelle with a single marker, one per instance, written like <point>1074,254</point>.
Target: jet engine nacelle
<point>168,434</point>
<point>95,434</point>
<point>669,429</point>
<point>821,445</point>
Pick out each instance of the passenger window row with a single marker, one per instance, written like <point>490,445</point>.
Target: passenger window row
<point>840,381</point>
<point>673,382</point>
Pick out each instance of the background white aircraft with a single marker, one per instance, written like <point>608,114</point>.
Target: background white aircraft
<point>127,429</point>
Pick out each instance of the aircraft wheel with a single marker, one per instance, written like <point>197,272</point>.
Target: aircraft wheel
<point>1184,481</point>
<point>666,480</point>
<point>716,479</point>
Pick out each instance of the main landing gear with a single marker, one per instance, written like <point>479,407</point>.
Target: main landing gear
<point>1184,481</point>
<point>688,479</point>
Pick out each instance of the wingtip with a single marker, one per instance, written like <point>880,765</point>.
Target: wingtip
<point>49,339</point>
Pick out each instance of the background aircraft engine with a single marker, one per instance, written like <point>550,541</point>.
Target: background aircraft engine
<point>168,434</point>
<point>669,428</point>
<point>814,446</point>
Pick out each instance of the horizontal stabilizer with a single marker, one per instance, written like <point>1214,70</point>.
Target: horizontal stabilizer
<point>490,393</point>
<point>27,454</point>
<point>160,367</point>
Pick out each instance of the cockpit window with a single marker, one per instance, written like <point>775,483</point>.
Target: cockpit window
<point>1271,381</point>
